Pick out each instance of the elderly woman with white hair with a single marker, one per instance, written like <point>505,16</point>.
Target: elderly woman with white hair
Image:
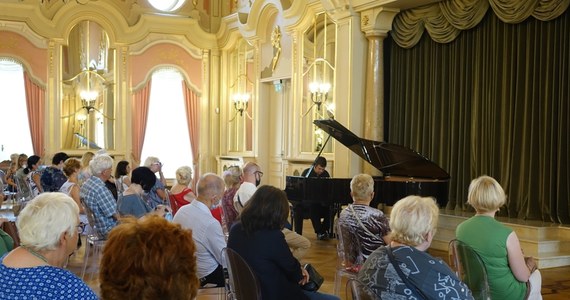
<point>157,194</point>
<point>97,197</point>
<point>403,269</point>
<point>48,228</point>
<point>363,224</point>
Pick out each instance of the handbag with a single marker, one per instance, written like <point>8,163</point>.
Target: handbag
<point>315,279</point>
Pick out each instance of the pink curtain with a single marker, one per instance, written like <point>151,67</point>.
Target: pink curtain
<point>192,104</point>
<point>140,114</point>
<point>35,102</point>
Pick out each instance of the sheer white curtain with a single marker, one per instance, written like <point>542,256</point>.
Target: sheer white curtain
<point>166,134</point>
<point>14,129</point>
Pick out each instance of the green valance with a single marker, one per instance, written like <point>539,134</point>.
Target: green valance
<point>445,20</point>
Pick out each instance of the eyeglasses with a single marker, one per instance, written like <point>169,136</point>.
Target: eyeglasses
<point>80,228</point>
<point>157,163</point>
<point>258,173</point>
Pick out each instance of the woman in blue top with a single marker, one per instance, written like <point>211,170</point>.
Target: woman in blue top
<point>48,229</point>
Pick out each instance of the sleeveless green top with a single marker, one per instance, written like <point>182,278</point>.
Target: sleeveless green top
<point>488,238</point>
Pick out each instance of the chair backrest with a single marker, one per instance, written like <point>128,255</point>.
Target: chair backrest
<point>91,218</point>
<point>349,250</point>
<point>470,268</point>
<point>244,285</point>
<point>356,290</point>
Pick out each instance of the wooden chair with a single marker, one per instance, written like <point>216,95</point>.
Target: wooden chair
<point>470,268</point>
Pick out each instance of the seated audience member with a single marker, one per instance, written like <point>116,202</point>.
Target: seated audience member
<point>367,224</point>
<point>181,192</point>
<point>6,241</point>
<point>30,176</point>
<point>122,179</point>
<point>97,196</point>
<point>157,195</point>
<point>251,178</point>
<point>14,166</point>
<point>206,230</point>
<point>18,175</point>
<point>413,222</point>
<point>71,169</point>
<point>510,276</point>
<point>148,258</point>
<point>85,172</point>
<point>258,238</point>
<point>52,177</point>
<point>232,179</point>
<point>132,203</point>
<point>48,229</point>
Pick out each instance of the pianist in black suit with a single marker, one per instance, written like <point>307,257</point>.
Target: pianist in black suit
<point>320,214</point>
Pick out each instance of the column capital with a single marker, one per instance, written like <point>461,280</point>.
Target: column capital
<point>377,21</point>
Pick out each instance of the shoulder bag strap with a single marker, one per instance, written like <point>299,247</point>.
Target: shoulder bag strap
<point>409,284</point>
<point>359,221</point>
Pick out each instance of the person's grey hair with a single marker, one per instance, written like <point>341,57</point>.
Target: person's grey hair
<point>150,160</point>
<point>209,184</point>
<point>361,186</point>
<point>232,176</point>
<point>44,219</point>
<point>412,218</point>
<point>184,175</point>
<point>100,163</point>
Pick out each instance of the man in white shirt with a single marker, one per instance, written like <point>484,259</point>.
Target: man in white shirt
<point>206,230</point>
<point>251,178</point>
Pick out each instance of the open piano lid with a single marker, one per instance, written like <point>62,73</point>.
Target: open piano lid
<point>390,159</point>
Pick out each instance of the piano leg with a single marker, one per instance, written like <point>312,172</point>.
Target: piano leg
<point>334,210</point>
<point>297,218</point>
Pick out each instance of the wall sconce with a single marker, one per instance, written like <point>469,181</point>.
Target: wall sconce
<point>88,99</point>
<point>242,97</point>
<point>240,103</point>
<point>319,92</point>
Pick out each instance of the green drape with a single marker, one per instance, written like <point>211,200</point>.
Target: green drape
<point>493,101</point>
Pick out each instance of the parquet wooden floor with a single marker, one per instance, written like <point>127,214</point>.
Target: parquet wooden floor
<point>555,281</point>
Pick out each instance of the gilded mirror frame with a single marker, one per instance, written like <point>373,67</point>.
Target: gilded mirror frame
<point>88,96</point>
<point>318,82</point>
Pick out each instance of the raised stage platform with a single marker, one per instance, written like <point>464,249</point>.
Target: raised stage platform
<point>549,243</point>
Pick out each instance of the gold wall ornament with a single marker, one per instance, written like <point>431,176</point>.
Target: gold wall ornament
<point>276,43</point>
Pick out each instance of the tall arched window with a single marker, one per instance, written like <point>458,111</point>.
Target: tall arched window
<point>166,134</point>
<point>15,136</point>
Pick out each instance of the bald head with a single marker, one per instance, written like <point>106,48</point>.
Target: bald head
<point>209,186</point>
<point>252,173</point>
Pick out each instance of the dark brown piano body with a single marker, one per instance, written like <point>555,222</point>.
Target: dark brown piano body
<point>406,172</point>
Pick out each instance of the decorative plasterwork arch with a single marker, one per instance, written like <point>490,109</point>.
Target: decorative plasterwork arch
<point>184,73</point>
<point>300,16</point>
<point>33,58</point>
<point>260,20</point>
<point>165,54</point>
<point>111,20</point>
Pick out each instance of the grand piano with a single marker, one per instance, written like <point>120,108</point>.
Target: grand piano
<point>405,172</point>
